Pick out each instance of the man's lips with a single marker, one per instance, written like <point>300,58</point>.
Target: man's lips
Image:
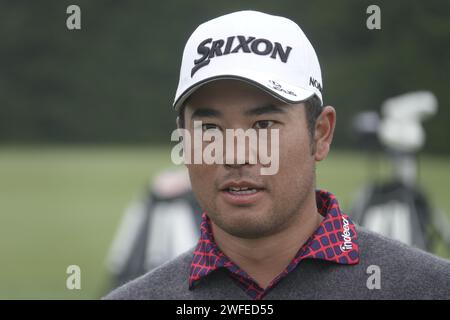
<point>240,184</point>
<point>241,192</point>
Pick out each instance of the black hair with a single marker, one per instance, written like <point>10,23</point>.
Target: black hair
<point>313,109</point>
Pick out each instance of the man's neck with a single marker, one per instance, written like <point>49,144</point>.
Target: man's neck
<point>265,258</point>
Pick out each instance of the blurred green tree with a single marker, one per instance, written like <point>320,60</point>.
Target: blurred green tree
<point>113,81</point>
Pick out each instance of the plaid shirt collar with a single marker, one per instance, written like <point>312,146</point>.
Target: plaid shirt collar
<point>335,240</point>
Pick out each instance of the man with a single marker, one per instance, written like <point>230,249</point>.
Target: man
<point>273,236</point>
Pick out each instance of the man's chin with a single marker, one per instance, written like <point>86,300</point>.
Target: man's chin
<point>248,232</point>
<point>235,200</point>
<point>246,223</point>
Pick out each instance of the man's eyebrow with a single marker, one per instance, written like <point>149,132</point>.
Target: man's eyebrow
<point>265,109</point>
<point>205,112</point>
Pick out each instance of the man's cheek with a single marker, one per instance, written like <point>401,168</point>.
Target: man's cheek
<point>202,179</point>
<point>289,154</point>
<point>292,163</point>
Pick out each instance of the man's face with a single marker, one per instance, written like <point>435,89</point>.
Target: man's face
<point>277,199</point>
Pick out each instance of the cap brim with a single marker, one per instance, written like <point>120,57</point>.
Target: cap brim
<point>275,87</point>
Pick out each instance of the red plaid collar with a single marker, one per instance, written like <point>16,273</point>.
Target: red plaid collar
<point>335,240</point>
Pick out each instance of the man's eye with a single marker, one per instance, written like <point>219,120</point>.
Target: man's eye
<point>209,126</point>
<point>264,124</point>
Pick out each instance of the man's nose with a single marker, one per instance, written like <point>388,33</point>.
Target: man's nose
<point>236,165</point>
<point>240,152</point>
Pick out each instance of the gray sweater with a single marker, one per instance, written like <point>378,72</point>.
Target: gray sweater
<point>387,270</point>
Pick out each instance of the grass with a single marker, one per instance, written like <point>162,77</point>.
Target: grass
<point>61,205</point>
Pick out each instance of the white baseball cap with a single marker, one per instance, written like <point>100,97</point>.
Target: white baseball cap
<point>270,52</point>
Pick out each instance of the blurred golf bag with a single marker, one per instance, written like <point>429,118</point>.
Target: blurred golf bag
<point>397,208</point>
<point>156,228</point>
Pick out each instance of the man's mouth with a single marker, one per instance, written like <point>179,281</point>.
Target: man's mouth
<point>244,186</point>
<point>242,192</point>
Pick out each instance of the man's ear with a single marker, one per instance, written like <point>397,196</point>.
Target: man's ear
<point>323,135</point>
